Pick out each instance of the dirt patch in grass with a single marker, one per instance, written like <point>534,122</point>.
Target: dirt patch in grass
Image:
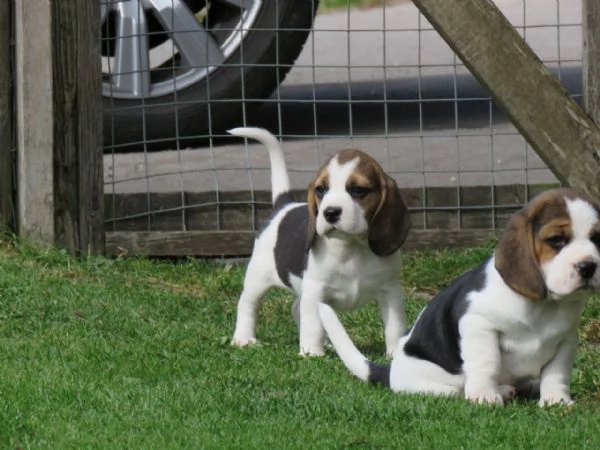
<point>591,332</point>
<point>176,288</point>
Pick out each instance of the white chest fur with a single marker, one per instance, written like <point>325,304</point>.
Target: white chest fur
<point>354,274</point>
<point>529,331</point>
<point>527,346</point>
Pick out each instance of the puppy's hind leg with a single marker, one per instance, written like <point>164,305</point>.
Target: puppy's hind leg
<point>296,311</point>
<point>255,287</point>
<point>419,376</point>
<point>391,308</point>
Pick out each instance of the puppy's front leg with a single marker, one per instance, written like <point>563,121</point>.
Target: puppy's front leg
<point>480,351</point>
<point>391,308</point>
<point>312,333</point>
<point>555,379</point>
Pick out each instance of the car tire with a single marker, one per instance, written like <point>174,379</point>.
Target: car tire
<point>188,117</point>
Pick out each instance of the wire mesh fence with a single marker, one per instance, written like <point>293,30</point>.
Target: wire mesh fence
<point>178,73</point>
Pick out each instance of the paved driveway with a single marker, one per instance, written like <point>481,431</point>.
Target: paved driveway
<point>434,140</point>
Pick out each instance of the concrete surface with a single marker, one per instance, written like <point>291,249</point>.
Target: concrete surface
<point>440,143</point>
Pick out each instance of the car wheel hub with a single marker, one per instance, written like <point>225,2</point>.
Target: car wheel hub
<point>138,66</point>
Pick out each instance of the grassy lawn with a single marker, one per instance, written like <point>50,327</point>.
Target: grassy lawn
<point>135,354</point>
<point>339,4</point>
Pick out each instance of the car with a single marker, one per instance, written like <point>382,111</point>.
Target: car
<point>176,71</point>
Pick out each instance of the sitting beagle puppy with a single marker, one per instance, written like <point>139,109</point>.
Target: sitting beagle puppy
<point>507,327</point>
<point>341,247</point>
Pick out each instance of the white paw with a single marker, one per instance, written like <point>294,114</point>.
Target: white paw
<point>558,398</point>
<point>243,342</point>
<point>488,396</point>
<point>389,353</point>
<point>311,351</point>
<point>507,392</point>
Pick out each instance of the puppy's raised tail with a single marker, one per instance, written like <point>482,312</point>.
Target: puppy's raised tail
<point>280,180</point>
<point>352,358</point>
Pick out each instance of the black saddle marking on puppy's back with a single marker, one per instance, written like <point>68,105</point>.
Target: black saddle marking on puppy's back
<point>435,336</point>
<point>283,199</point>
<point>379,374</point>
<point>290,248</point>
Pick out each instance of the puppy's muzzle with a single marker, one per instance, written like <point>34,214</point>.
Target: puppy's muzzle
<point>332,214</point>
<point>586,269</point>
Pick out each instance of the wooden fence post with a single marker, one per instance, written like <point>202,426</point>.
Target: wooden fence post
<point>60,184</point>
<point>591,58</point>
<point>78,163</point>
<point>7,206</point>
<point>559,130</point>
<point>33,59</point>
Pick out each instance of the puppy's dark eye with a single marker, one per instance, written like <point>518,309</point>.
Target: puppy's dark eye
<point>320,191</point>
<point>595,238</point>
<point>557,242</point>
<point>358,191</point>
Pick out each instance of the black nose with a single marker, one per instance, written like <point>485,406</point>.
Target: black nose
<point>586,269</point>
<point>332,214</point>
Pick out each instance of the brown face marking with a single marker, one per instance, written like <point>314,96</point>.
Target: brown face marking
<point>551,226</point>
<point>595,232</point>
<point>367,175</point>
<point>366,192</point>
<point>533,236</point>
<point>556,232</point>
<point>321,182</point>
<point>385,210</point>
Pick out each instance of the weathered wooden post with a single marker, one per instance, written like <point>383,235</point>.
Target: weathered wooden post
<point>59,119</point>
<point>591,58</point>
<point>7,206</point>
<point>556,127</point>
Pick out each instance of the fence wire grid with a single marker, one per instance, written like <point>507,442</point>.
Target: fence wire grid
<point>178,73</point>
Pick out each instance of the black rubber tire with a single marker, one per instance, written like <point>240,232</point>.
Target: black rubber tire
<point>182,119</point>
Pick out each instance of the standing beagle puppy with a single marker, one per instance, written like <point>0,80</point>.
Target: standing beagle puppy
<point>341,247</point>
<point>508,326</point>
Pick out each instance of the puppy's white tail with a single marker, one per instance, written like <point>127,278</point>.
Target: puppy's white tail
<point>280,180</point>
<point>352,358</point>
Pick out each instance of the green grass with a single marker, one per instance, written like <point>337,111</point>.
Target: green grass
<point>339,4</point>
<point>135,354</point>
<point>330,4</point>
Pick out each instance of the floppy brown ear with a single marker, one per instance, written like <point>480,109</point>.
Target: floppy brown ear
<point>391,222</point>
<point>312,215</point>
<point>515,257</point>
